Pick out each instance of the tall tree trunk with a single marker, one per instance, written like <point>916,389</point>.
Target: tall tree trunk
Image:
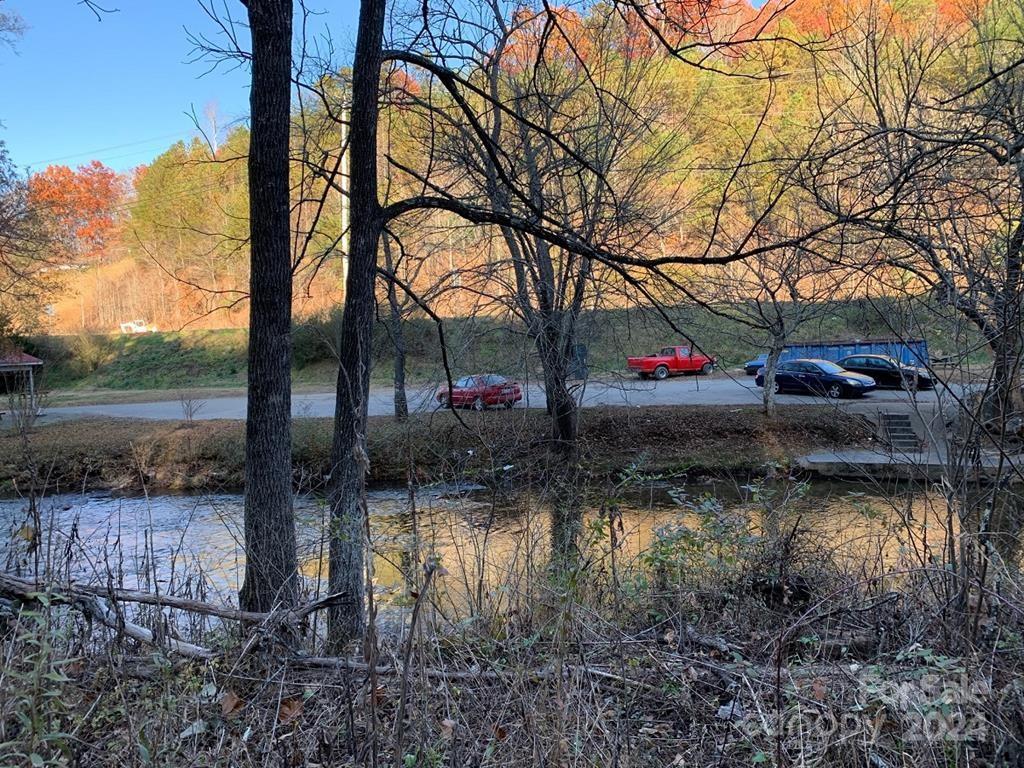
<point>1005,397</point>
<point>561,404</point>
<point>348,451</point>
<point>271,565</point>
<point>397,333</point>
<point>771,365</point>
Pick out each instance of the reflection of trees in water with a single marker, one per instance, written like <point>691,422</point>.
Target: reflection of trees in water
<point>1006,518</point>
<point>975,556</point>
<point>566,524</point>
<point>493,549</point>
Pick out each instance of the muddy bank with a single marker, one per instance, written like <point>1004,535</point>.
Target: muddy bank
<point>131,455</point>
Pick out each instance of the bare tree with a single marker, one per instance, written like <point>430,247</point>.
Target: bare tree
<point>926,170</point>
<point>582,107</point>
<point>450,49</point>
<point>395,326</point>
<point>25,275</point>
<point>448,53</point>
<point>349,461</point>
<point>11,28</point>
<point>772,295</point>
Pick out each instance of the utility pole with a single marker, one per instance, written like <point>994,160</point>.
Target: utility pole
<point>343,183</point>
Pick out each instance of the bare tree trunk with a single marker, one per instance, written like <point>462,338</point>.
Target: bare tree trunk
<point>1005,395</point>
<point>271,566</point>
<point>561,404</point>
<point>397,332</point>
<point>771,365</point>
<point>553,330</point>
<point>348,452</point>
<point>398,335</point>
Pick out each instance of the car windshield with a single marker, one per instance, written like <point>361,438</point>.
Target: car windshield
<point>465,382</point>
<point>828,367</point>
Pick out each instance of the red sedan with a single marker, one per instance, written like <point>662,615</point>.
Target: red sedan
<point>481,391</point>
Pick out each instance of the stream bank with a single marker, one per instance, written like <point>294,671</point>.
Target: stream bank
<point>136,455</point>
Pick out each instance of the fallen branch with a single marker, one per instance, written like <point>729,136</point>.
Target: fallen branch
<point>24,588</point>
<point>93,601</point>
<point>532,675</point>
<point>102,612</point>
<point>709,641</point>
<point>340,662</point>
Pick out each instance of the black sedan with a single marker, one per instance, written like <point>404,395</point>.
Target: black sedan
<point>818,377</point>
<point>888,372</point>
<point>751,367</point>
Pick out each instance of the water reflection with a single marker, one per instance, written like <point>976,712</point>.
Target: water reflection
<point>490,546</point>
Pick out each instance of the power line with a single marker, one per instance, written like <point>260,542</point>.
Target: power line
<point>93,152</point>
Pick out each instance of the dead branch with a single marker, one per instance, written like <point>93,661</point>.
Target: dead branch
<point>26,589</point>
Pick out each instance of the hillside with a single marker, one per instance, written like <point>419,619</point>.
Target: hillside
<point>216,358</point>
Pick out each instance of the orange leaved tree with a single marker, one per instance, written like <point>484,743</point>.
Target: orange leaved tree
<point>81,206</point>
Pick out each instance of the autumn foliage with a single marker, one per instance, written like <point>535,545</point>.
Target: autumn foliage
<point>558,34</point>
<point>82,205</point>
<point>819,18</point>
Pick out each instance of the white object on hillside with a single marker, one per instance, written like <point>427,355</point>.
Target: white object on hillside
<point>137,326</point>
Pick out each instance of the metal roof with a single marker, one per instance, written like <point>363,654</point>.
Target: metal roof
<point>18,360</point>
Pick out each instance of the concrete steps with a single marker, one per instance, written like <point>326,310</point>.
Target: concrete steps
<point>898,431</point>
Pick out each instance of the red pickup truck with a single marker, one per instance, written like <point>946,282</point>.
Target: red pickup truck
<point>669,361</point>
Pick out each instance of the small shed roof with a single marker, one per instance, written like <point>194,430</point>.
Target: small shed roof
<point>18,361</point>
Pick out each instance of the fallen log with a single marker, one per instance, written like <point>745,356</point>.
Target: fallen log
<point>99,610</point>
<point>23,588</point>
<point>93,600</point>
<point>102,612</point>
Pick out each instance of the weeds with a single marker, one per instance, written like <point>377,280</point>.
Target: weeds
<point>732,634</point>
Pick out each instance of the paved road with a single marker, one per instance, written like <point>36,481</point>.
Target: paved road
<point>695,390</point>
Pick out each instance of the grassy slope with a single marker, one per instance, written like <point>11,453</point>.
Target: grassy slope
<point>217,358</point>
<point>209,455</point>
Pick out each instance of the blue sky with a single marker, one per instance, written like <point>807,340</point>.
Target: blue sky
<point>117,90</point>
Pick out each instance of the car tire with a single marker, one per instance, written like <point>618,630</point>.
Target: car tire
<point>834,392</point>
<point>478,404</point>
<point>509,404</point>
<point>707,369</point>
<point>776,388</point>
<point>661,372</point>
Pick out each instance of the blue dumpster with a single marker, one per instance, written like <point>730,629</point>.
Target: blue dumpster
<point>909,351</point>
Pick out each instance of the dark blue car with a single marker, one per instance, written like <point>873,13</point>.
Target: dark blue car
<point>751,367</point>
<point>818,377</point>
